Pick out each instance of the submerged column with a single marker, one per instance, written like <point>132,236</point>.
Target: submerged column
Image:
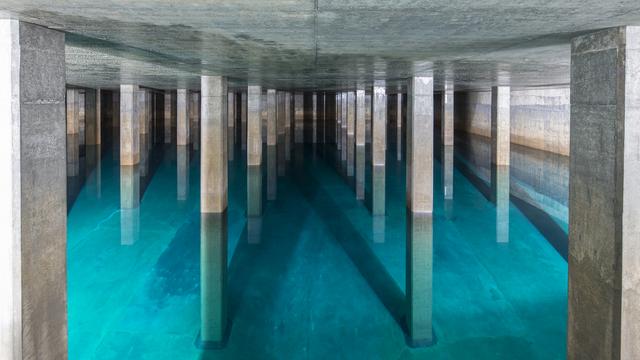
<point>299,118</point>
<point>420,145</point>
<point>182,129</point>
<point>254,126</point>
<point>379,144</point>
<point>447,114</point>
<point>129,126</point>
<point>271,117</point>
<point>419,279</point>
<point>213,159</point>
<point>604,202</point>
<point>500,125</point>
<point>360,135</point>
<point>33,282</point>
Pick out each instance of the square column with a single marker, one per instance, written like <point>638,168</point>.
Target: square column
<point>314,120</point>
<point>287,125</point>
<point>254,126</point>
<point>129,125</point>
<point>194,111</point>
<point>447,114</point>
<point>399,126</point>
<point>420,145</point>
<point>182,129</point>
<point>351,132</point>
<point>73,118</point>
<point>500,125</point>
<point>360,140</point>
<point>243,120</point>
<point>338,123</point>
<point>143,111</point>
<point>92,114</point>
<point>379,126</point>
<point>299,118</point>
<point>604,201</point>
<point>81,116</point>
<point>343,124</point>
<point>33,281</point>
<point>168,115</point>
<point>231,124</point>
<point>271,117</point>
<point>213,159</point>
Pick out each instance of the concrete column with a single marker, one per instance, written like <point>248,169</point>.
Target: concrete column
<point>194,108</point>
<point>419,145</point>
<point>314,118</point>
<point>447,114</point>
<point>254,126</point>
<point>419,279</point>
<point>182,129</point>
<point>447,180</point>
<point>73,121</point>
<point>500,186</point>
<point>213,159</point>
<point>129,204</point>
<point>168,113</point>
<point>344,124</point>
<point>81,117</point>
<point>231,126</point>
<point>367,117</point>
<point>271,117</point>
<point>143,121</point>
<point>115,106</point>
<point>129,125</point>
<point>338,121</point>
<point>183,161</point>
<point>379,124</point>
<point>351,132</point>
<point>254,189</point>
<point>299,117</point>
<point>213,280</point>
<point>287,126</point>
<point>92,113</point>
<point>360,135</point>
<point>33,282</point>
<point>243,120</point>
<point>500,125</point>
<point>604,201</point>
<point>399,126</point>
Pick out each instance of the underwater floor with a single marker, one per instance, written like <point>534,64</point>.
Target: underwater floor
<point>315,277</point>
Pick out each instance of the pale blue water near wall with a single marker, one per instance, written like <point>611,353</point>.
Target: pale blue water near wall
<point>315,277</point>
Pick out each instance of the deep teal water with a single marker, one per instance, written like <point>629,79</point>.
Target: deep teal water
<point>315,277</point>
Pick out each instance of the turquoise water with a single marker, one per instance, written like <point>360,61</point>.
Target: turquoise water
<point>316,276</point>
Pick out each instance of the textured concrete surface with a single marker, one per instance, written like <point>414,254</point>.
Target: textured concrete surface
<point>319,44</point>
<point>271,117</point>
<point>182,127</point>
<point>33,273</point>
<point>604,281</point>
<point>168,116</point>
<point>447,114</point>
<point>420,145</point>
<point>298,116</point>
<point>351,132</point>
<point>72,112</point>
<point>500,125</point>
<point>379,124</point>
<point>254,126</point>
<point>213,157</point>
<point>129,126</point>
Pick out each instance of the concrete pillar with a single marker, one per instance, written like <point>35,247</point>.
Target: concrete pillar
<point>419,279</point>
<point>81,117</point>
<point>143,121</point>
<point>33,282</point>
<point>194,110</point>
<point>183,161</point>
<point>500,125</point>
<point>213,280</point>
<point>419,145</point>
<point>299,117</point>
<point>399,126</point>
<point>168,114</point>
<point>379,126</point>
<point>287,126</point>
<point>367,117</point>
<point>314,118</point>
<point>271,117</point>
<point>182,130</point>
<point>231,126</point>
<point>92,114</point>
<point>604,201</point>
<point>115,107</point>
<point>360,140</point>
<point>73,121</point>
<point>447,180</point>
<point>280,127</point>
<point>254,126</point>
<point>243,120</point>
<point>254,189</point>
<point>351,132</point>
<point>500,184</point>
<point>447,114</point>
<point>344,124</point>
<point>129,125</point>
<point>338,121</point>
<point>213,159</point>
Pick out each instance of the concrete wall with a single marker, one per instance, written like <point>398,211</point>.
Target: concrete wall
<point>539,117</point>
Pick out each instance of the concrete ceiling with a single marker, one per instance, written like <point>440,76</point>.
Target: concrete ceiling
<point>320,44</point>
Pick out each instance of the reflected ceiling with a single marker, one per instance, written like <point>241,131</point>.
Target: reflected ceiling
<point>321,44</point>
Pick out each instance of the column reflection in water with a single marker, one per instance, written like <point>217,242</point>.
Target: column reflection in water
<point>254,204</point>
<point>272,175</point>
<point>183,172</point>
<point>213,280</point>
<point>93,155</point>
<point>144,154</point>
<point>500,186</point>
<point>419,279</point>
<point>360,171</point>
<point>447,179</point>
<point>129,204</point>
<point>378,190</point>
